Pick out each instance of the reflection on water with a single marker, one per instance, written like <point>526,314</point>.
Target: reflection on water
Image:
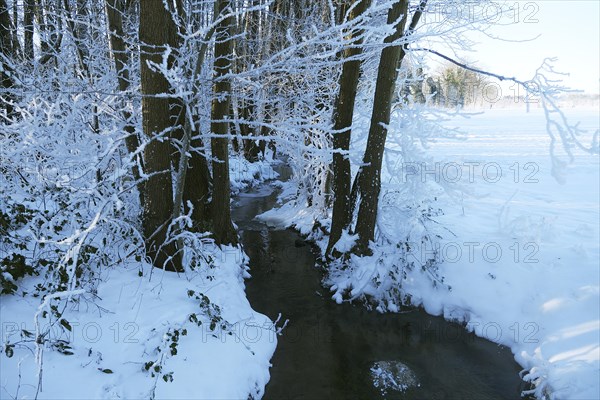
<point>327,349</point>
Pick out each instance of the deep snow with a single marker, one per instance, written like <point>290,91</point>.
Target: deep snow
<point>117,331</point>
<point>522,261</point>
<point>519,250</point>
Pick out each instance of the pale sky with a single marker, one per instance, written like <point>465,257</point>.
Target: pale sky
<point>570,31</point>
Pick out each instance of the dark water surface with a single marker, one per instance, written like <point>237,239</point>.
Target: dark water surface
<point>327,349</point>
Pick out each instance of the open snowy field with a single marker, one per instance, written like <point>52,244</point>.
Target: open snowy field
<point>524,265</point>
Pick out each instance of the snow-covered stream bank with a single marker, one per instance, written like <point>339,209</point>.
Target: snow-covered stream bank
<point>540,295</point>
<point>137,336</point>
<point>521,250</point>
<point>327,350</point>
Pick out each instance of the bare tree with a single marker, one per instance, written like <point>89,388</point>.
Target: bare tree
<point>6,49</point>
<point>120,55</point>
<point>343,113</point>
<point>156,117</point>
<point>223,230</point>
<point>28,15</point>
<point>369,176</point>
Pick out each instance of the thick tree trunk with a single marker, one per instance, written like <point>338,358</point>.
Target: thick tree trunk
<point>370,173</point>
<point>223,230</point>
<point>197,183</point>
<point>343,113</point>
<point>158,190</point>
<point>176,105</point>
<point>197,188</point>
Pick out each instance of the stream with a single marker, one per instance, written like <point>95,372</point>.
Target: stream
<point>327,350</point>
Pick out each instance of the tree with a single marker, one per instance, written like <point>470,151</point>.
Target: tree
<point>223,230</point>
<point>28,14</point>
<point>156,120</point>
<point>120,55</point>
<point>6,44</point>
<point>460,86</point>
<point>194,172</point>
<point>343,113</point>
<point>248,54</point>
<point>50,26</point>
<point>369,176</point>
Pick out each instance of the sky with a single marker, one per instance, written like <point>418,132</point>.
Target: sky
<point>568,30</point>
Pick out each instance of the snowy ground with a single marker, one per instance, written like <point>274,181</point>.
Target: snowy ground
<point>521,252</point>
<point>138,337</point>
<point>524,267</point>
<point>522,261</point>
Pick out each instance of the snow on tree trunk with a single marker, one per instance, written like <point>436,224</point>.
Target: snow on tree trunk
<point>158,190</point>
<point>370,174</point>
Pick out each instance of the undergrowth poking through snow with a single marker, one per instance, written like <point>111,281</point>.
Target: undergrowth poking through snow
<point>82,312</point>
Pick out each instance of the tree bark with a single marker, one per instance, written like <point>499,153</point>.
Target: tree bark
<point>6,82</point>
<point>370,172</point>
<point>158,190</point>
<point>247,107</point>
<point>196,174</point>
<point>223,230</point>
<point>49,17</point>
<point>114,10</point>
<point>28,14</point>
<point>198,186</point>
<point>16,45</point>
<point>343,113</point>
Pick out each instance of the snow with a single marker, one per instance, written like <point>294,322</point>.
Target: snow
<point>346,242</point>
<point>243,173</point>
<point>520,251</point>
<point>392,376</point>
<point>541,300</point>
<point>130,322</point>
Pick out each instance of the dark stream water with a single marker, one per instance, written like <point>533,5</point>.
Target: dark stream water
<point>327,349</point>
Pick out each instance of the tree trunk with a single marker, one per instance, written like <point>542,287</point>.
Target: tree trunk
<point>28,14</point>
<point>197,182</point>
<point>6,42</point>
<point>16,45</point>
<point>251,149</point>
<point>176,105</point>
<point>370,173</point>
<point>82,28</point>
<point>343,113</point>
<point>158,190</point>
<point>197,188</point>
<point>114,10</point>
<point>223,230</point>
<point>247,107</point>
<point>49,16</point>
<point>6,82</point>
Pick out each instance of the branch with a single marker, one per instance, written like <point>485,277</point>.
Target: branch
<point>416,17</point>
<point>476,70</point>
